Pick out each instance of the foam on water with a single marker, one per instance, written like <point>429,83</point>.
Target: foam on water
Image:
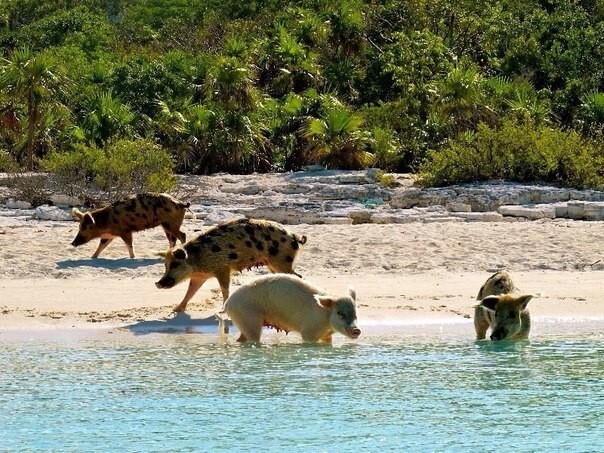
<point>394,389</point>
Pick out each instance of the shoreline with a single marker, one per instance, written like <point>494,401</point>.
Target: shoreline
<point>385,301</point>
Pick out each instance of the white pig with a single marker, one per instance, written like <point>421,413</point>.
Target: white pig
<point>288,303</point>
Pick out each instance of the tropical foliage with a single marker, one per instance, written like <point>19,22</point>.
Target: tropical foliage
<point>273,86</point>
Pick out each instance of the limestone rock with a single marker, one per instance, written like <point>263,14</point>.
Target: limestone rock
<point>46,212</point>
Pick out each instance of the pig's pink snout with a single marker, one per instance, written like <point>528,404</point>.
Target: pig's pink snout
<point>355,332</point>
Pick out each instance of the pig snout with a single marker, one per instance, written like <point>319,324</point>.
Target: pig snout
<point>165,282</point>
<point>497,335</point>
<point>79,240</point>
<point>354,332</point>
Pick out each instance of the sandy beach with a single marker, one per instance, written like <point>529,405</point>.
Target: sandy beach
<point>404,274</point>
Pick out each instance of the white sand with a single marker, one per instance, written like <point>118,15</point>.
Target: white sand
<point>403,273</point>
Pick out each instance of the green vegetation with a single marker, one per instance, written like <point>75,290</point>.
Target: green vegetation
<point>121,93</point>
<point>524,153</point>
<point>123,167</point>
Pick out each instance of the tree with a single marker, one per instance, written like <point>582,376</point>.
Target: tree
<point>30,80</point>
<point>337,141</point>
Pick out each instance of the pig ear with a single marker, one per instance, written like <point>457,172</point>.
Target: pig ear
<point>490,302</point>
<point>179,254</point>
<point>87,218</point>
<point>77,213</point>
<point>325,301</point>
<point>523,300</point>
<point>352,293</point>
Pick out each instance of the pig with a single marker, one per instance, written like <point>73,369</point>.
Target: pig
<point>227,248</point>
<point>507,316</point>
<point>498,283</point>
<point>287,303</point>
<point>501,309</point>
<point>122,218</point>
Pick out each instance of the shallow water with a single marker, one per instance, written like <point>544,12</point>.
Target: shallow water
<point>399,390</point>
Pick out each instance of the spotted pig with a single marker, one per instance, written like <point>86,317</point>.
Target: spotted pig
<point>287,303</point>
<point>122,218</point>
<point>227,248</point>
<point>502,309</point>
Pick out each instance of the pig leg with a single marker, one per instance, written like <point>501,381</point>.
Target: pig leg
<point>104,243</point>
<point>481,322</point>
<point>182,237</point>
<point>127,238</point>
<point>194,285</point>
<point>224,280</point>
<point>249,324</point>
<point>171,238</point>
<point>173,233</point>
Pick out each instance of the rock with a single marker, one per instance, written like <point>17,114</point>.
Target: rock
<point>314,168</point>
<point>46,212</point>
<point>360,216</point>
<point>371,174</point>
<point>65,200</point>
<point>531,212</point>
<point>218,216</point>
<point>458,207</point>
<point>576,209</point>
<point>12,204</point>
<point>479,216</point>
<point>593,210</point>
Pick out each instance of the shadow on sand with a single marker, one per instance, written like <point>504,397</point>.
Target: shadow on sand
<point>120,263</point>
<point>180,323</point>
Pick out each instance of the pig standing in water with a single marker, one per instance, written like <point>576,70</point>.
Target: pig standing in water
<point>502,309</point>
<point>122,218</point>
<point>507,316</point>
<point>227,248</point>
<point>288,303</point>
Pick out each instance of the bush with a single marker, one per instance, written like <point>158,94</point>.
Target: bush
<point>72,173</point>
<point>132,167</point>
<point>523,153</point>
<point>28,187</point>
<point>7,163</point>
<point>123,168</point>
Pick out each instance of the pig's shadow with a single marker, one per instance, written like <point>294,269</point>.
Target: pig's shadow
<point>179,323</point>
<point>105,263</point>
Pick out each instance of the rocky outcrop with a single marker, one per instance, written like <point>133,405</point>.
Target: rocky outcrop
<point>330,197</point>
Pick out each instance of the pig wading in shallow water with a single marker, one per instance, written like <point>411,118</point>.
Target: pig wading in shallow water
<point>502,309</point>
<point>227,248</point>
<point>287,303</point>
<point>122,218</point>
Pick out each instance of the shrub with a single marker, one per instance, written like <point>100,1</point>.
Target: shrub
<point>73,172</point>
<point>523,153</point>
<point>132,167</point>
<point>122,168</point>
<point>30,187</point>
<point>7,163</point>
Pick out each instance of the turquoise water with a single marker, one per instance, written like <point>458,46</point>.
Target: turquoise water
<point>399,390</point>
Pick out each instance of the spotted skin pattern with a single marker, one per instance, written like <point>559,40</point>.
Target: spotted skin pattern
<point>228,248</point>
<point>137,213</point>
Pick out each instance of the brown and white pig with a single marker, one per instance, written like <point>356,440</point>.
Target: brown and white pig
<point>484,316</point>
<point>287,303</point>
<point>507,316</point>
<point>122,218</point>
<point>227,248</point>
